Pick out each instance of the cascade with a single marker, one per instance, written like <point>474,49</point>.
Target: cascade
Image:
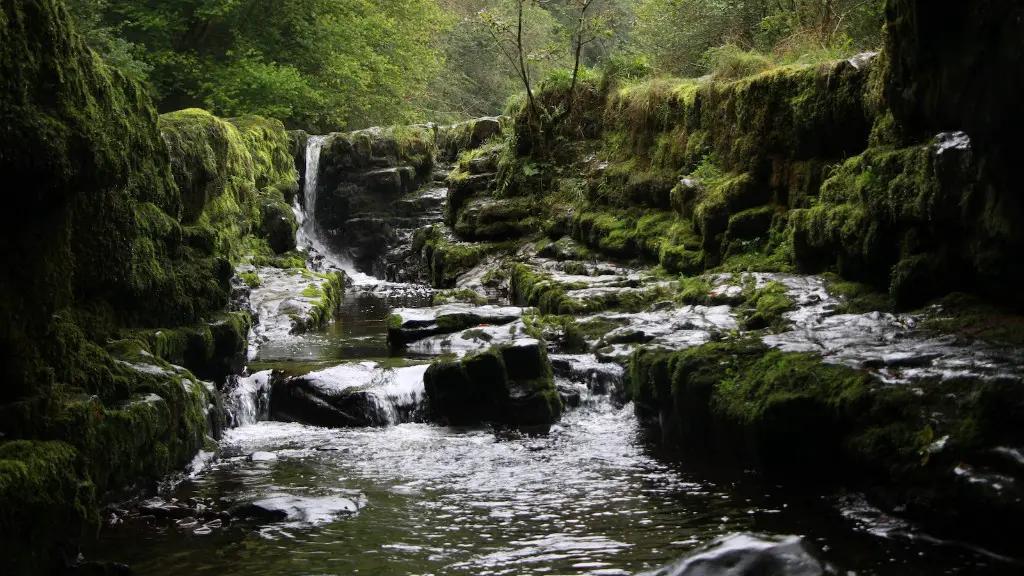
<point>247,399</point>
<point>307,234</point>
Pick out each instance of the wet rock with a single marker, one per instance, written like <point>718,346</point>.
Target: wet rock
<point>407,325</point>
<point>747,555</point>
<point>277,225</point>
<point>288,302</point>
<point>259,512</point>
<point>296,508</point>
<point>478,338</point>
<point>165,510</point>
<point>509,385</point>
<point>599,377</point>
<point>351,395</point>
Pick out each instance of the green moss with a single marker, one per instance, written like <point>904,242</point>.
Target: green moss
<point>912,221</point>
<point>855,298</point>
<point>251,279</point>
<point>797,418</point>
<point>970,319</point>
<point>44,497</point>
<point>447,260</point>
<point>496,220</point>
<point>528,287</point>
<point>462,295</point>
<point>767,306</point>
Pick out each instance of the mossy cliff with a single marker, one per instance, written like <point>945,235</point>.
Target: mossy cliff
<point>362,176</point>
<point>120,245</point>
<point>865,166</point>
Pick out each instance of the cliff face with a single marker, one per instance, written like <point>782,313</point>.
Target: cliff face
<point>120,235</point>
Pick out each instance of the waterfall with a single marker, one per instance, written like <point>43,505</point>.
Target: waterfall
<point>247,399</point>
<point>308,234</point>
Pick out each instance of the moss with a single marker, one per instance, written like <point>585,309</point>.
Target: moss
<point>327,296</point>
<point>463,295</point>
<point>44,497</point>
<point>913,221</point>
<point>447,260</point>
<point>856,298</point>
<point>970,319</point>
<point>251,279</point>
<point>767,306</point>
<point>796,418</point>
<point>496,220</point>
<point>530,288</point>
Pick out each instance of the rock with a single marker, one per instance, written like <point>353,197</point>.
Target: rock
<point>258,512</point>
<point>296,508</point>
<point>167,511</point>
<point>478,338</point>
<point>186,523</point>
<point>747,555</point>
<point>510,385</point>
<point>410,324</point>
<point>262,457</point>
<point>350,395</point>
<point>277,225</point>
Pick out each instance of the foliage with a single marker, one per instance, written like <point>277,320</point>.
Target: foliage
<point>677,34</point>
<point>316,64</point>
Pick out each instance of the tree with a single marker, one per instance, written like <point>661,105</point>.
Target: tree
<point>316,64</point>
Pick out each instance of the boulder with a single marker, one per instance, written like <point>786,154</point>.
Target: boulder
<point>509,385</point>
<point>407,325</point>
<point>350,395</point>
<point>748,555</point>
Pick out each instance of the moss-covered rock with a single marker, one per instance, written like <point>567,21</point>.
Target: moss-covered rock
<point>508,385</point>
<point>44,499</point>
<point>446,259</point>
<point>471,134</point>
<point>799,419</point>
<point>131,224</point>
<point>407,325</point>
<point>913,221</point>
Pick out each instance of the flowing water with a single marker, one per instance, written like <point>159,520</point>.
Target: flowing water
<point>591,497</point>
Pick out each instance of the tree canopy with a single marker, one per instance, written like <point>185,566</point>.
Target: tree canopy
<point>328,65</point>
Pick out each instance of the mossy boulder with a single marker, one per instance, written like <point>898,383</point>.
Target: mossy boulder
<point>45,499</point>
<point>468,135</point>
<point>446,259</point>
<point>914,221</point>
<point>277,224</point>
<point>496,220</point>
<point>507,385</point>
<point>801,420</point>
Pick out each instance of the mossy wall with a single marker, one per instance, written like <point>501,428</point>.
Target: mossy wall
<point>798,419</point>
<point>893,169</point>
<point>120,238</point>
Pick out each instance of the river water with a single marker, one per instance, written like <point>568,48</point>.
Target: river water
<point>591,497</point>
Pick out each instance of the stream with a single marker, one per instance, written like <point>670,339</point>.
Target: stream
<point>593,496</point>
